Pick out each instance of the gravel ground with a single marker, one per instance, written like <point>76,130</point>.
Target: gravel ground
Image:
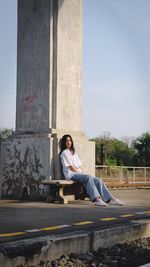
<point>129,254</point>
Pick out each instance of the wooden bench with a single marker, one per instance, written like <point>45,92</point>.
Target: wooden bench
<point>62,191</point>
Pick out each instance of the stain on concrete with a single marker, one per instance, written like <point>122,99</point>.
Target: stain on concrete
<point>22,171</point>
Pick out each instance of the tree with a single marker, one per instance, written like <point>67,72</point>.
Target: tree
<point>5,133</point>
<point>142,147</point>
<point>116,151</point>
<point>122,153</point>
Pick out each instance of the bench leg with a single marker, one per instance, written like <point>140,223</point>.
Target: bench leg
<point>53,193</point>
<point>63,199</point>
<point>57,195</point>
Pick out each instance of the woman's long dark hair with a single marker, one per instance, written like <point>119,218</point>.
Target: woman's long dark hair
<point>63,143</point>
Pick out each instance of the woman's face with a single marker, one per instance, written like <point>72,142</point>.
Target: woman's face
<point>68,142</point>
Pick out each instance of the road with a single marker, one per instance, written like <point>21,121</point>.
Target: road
<point>25,220</point>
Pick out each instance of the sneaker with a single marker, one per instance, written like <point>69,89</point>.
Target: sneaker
<point>116,201</point>
<point>100,202</point>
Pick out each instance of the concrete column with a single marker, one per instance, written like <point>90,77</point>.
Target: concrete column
<point>49,65</point>
<point>34,66</point>
<point>69,64</point>
<point>49,96</point>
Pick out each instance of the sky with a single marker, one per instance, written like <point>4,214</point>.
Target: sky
<point>116,67</point>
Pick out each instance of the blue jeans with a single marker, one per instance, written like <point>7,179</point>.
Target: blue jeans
<point>94,186</point>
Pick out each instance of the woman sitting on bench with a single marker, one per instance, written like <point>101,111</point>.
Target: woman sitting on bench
<point>95,187</point>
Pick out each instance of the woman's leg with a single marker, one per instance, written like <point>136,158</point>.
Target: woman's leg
<point>102,189</point>
<point>88,183</point>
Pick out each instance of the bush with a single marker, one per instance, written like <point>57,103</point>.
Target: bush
<point>5,133</point>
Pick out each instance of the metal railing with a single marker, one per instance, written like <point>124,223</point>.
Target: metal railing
<point>123,174</point>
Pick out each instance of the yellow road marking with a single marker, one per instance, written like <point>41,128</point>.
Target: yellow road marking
<point>12,234</point>
<point>53,227</point>
<point>108,219</point>
<point>63,226</point>
<point>82,223</point>
<point>146,211</point>
<point>127,215</point>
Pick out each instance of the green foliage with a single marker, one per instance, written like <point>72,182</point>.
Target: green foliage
<point>122,153</point>
<point>5,133</point>
<point>142,147</point>
<point>118,152</point>
<point>111,162</point>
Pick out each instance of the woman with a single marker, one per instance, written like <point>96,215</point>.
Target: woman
<point>95,187</point>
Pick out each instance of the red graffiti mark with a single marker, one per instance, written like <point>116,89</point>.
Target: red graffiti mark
<point>29,100</point>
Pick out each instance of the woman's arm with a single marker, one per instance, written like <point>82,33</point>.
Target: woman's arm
<point>74,169</point>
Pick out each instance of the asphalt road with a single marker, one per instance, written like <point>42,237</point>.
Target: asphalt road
<point>23,220</point>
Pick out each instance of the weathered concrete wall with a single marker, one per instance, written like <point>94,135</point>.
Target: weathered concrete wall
<point>25,161</point>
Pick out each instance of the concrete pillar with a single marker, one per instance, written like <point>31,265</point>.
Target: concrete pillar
<point>49,66</point>
<point>49,95</point>
<point>34,66</point>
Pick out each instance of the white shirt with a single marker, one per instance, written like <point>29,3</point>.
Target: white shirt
<point>69,159</point>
